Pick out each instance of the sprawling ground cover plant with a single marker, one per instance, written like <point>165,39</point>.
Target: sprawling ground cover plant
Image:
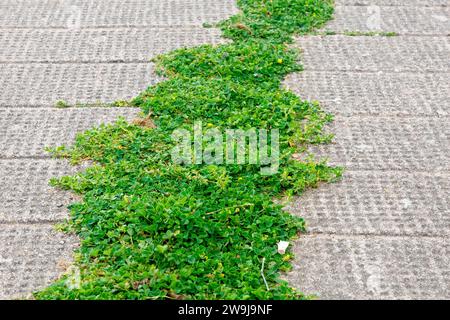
<point>154,229</point>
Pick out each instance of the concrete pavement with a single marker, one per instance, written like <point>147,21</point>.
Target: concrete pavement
<point>383,231</point>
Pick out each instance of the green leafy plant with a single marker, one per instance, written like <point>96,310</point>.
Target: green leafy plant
<point>61,104</point>
<point>153,229</point>
<point>370,34</point>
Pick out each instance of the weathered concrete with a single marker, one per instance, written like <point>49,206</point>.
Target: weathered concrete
<point>25,193</point>
<point>42,84</point>
<point>400,19</point>
<point>373,267</point>
<point>382,93</point>
<point>31,256</point>
<point>407,3</point>
<point>384,230</point>
<point>378,202</point>
<point>402,143</point>
<point>25,132</point>
<point>100,44</point>
<point>387,54</point>
<point>112,13</point>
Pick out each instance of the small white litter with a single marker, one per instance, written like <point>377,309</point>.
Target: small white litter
<point>282,246</point>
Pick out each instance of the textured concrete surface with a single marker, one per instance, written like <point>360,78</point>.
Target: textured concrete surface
<point>100,44</point>
<point>42,84</point>
<point>25,194</point>
<point>386,54</point>
<point>25,132</point>
<point>400,19</point>
<point>31,256</point>
<point>77,65</point>
<point>112,13</point>
<point>362,93</point>
<point>367,267</point>
<point>407,3</point>
<point>80,51</point>
<point>378,202</point>
<point>383,232</point>
<point>389,143</point>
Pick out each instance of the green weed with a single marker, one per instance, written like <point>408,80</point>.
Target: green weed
<point>152,229</point>
<point>61,104</point>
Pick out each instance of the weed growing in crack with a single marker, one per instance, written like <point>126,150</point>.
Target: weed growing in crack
<point>153,229</point>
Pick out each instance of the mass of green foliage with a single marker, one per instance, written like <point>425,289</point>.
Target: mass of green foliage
<point>153,229</point>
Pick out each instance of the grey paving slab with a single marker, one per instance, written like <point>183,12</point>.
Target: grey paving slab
<point>99,45</point>
<point>379,203</point>
<point>342,267</point>
<point>362,53</point>
<point>31,257</point>
<point>388,143</point>
<point>42,84</point>
<point>112,13</point>
<point>383,232</point>
<point>399,19</point>
<point>26,132</point>
<point>25,193</point>
<point>409,3</point>
<point>375,93</point>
